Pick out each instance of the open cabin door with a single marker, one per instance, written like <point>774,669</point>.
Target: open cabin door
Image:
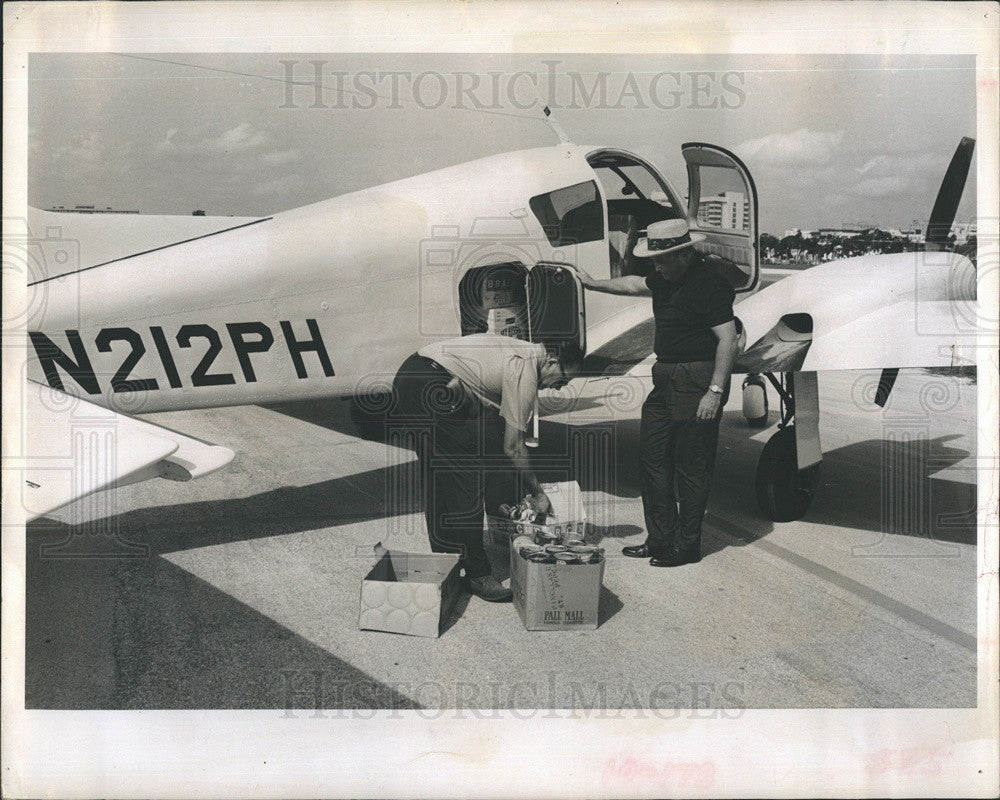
<point>722,205</point>
<point>556,312</point>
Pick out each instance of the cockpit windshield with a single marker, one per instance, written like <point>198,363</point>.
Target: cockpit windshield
<point>636,196</point>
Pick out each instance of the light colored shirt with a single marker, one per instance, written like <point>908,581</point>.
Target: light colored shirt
<point>500,370</point>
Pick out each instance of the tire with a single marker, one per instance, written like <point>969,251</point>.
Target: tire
<point>784,492</point>
<point>755,403</point>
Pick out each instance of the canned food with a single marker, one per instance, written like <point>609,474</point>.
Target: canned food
<point>583,549</point>
<point>566,558</point>
<point>529,549</point>
<point>545,537</point>
<point>574,542</point>
<point>541,558</point>
<point>555,548</point>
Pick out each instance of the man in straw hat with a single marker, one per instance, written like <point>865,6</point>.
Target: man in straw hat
<point>695,345</point>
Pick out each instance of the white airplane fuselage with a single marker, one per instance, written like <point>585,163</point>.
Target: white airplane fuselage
<point>323,300</point>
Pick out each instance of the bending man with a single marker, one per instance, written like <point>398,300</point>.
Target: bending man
<point>448,396</point>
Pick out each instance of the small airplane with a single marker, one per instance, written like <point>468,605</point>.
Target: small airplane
<point>327,300</point>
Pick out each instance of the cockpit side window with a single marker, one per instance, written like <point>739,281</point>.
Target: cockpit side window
<point>636,196</point>
<point>571,215</point>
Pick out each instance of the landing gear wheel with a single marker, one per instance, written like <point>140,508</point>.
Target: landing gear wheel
<point>784,492</point>
<point>755,401</point>
<point>368,413</point>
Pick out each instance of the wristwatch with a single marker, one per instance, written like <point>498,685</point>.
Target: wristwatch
<point>715,388</point>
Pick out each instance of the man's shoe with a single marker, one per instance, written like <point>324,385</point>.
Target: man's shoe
<point>640,551</point>
<point>678,558</point>
<point>490,589</point>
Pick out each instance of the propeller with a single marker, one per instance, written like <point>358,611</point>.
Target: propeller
<point>949,195</point>
<point>938,230</point>
<point>885,384</point>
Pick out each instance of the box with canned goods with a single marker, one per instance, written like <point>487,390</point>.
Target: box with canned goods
<point>556,586</point>
<point>567,519</point>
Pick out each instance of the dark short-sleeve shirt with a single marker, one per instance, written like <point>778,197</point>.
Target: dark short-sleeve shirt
<point>686,311</point>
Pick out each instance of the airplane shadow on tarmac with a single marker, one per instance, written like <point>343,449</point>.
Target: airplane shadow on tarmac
<point>888,482</point>
<point>878,477</point>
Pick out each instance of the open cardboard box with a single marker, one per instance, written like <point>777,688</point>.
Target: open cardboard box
<point>411,593</point>
<point>567,521</point>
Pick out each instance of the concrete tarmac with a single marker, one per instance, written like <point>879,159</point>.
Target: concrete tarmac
<point>241,590</point>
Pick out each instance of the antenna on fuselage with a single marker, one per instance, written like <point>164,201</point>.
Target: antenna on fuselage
<point>555,126</point>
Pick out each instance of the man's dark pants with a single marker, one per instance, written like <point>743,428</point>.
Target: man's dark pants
<point>458,446</point>
<point>676,446</point>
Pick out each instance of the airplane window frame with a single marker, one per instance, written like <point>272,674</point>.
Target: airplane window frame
<point>544,207</point>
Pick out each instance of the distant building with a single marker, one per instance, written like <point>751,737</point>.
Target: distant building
<point>963,231</point>
<point>838,233</point>
<point>90,210</point>
<point>725,210</point>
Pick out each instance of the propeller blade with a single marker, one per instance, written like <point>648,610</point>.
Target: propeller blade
<point>885,383</point>
<point>949,195</point>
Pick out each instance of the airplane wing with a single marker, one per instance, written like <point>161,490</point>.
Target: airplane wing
<point>904,334</point>
<point>622,352</point>
<point>901,335</point>
<point>72,448</point>
<point>871,312</point>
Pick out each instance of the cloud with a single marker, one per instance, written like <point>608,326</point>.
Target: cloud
<point>887,186</point>
<point>804,147</point>
<point>240,139</point>
<point>278,158</point>
<point>83,150</point>
<point>884,175</point>
<point>284,184</point>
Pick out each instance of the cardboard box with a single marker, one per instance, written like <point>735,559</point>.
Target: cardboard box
<point>556,597</point>
<point>568,520</point>
<point>505,322</point>
<point>411,593</point>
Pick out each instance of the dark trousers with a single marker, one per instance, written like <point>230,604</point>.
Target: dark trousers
<point>675,446</point>
<point>458,445</point>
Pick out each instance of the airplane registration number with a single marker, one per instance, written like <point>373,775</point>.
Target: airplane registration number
<point>244,339</point>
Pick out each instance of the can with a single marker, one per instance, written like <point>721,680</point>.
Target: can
<point>583,549</point>
<point>552,549</point>
<point>545,537</point>
<point>566,558</point>
<point>541,558</point>
<point>571,543</point>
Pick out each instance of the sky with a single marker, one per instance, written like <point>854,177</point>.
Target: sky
<point>828,139</point>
